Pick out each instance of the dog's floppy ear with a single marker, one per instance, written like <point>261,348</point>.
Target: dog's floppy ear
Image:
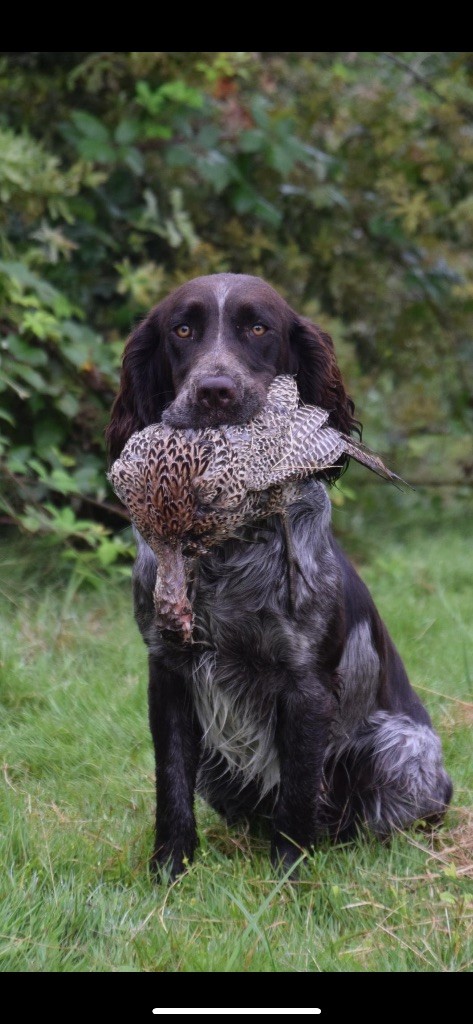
<point>146,386</point>
<point>318,376</point>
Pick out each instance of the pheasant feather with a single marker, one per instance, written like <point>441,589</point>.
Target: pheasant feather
<point>187,490</point>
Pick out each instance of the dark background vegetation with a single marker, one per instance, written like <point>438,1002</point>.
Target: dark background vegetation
<point>343,178</point>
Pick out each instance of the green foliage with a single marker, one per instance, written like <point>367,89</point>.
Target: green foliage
<point>344,178</point>
<point>32,182</point>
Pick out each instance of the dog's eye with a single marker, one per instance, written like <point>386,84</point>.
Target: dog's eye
<point>183,331</point>
<point>258,330</point>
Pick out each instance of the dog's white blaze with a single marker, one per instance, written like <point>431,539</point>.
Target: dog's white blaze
<point>222,291</point>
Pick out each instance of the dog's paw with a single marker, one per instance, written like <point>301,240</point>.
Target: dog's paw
<point>287,856</point>
<point>167,864</point>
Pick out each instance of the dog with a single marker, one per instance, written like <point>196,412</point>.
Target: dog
<point>293,705</point>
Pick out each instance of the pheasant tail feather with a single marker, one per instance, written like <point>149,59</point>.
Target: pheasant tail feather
<point>358,451</point>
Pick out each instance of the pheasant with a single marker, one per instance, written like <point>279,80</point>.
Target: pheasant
<point>187,490</point>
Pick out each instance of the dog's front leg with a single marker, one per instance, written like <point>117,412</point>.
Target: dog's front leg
<point>305,712</point>
<point>176,744</point>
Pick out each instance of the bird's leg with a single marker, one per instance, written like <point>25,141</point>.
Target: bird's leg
<point>192,563</point>
<point>172,606</point>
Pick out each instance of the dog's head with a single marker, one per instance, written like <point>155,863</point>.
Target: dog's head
<point>207,354</point>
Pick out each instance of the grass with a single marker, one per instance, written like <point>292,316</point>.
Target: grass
<point>77,775</point>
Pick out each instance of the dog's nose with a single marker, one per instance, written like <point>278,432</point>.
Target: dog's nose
<point>216,392</point>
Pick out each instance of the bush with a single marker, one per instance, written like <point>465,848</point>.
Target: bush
<point>343,178</point>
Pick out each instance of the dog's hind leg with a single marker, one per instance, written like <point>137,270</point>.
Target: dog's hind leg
<point>390,776</point>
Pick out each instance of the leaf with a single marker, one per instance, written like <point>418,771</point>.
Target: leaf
<point>97,150</point>
<point>126,132</point>
<point>448,898</point>
<point>27,279</point>
<point>252,141</point>
<point>89,126</point>
<point>248,201</point>
<point>42,324</point>
<point>48,432</point>
<point>450,871</point>
<point>179,92</point>
<point>134,160</point>
<point>32,377</point>
<point>216,169</point>
<point>24,351</point>
<point>68,404</point>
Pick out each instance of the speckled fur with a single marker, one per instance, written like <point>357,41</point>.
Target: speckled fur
<point>291,703</point>
<point>241,665</point>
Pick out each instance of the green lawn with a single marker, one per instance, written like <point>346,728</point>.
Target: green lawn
<point>77,779</point>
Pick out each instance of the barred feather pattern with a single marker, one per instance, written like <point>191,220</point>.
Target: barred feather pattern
<point>187,490</point>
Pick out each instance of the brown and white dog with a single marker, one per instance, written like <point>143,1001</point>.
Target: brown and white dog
<point>291,706</point>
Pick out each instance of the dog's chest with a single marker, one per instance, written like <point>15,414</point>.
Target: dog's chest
<point>234,678</point>
<point>236,721</point>
<point>250,651</point>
